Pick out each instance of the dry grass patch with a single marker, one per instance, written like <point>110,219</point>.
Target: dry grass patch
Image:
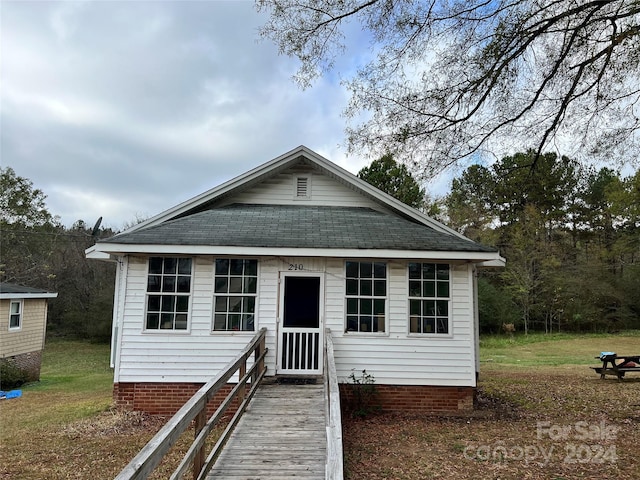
<point>531,422</point>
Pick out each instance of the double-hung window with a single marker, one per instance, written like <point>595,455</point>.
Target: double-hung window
<point>429,298</point>
<point>15,315</point>
<point>168,293</point>
<point>366,292</point>
<point>236,288</point>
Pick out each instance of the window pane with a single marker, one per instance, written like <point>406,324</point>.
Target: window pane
<point>184,284</point>
<point>169,284</point>
<point>366,287</point>
<point>155,265</point>
<point>429,325</point>
<point>443,272</point>
<point>247,322</point>
<point>234,322</point>
<point>378,323</point>
<point>429,308</point>
<point>428,271</point>
<point>414,307</point>
<point>15,308</point>
<point>378,307</point>
<point>380,288</point>
<point>184,266</point>
<point>168,303</point>
<point>222,266</point>
<point>352,287</point>
<point>366,306</point>
<point>222,285</point>
<point>249,304</point>
<point>366,324</point>
<point>182,304</point>
<point>429,289</point>
<point>235,285</point>
<point>415,270</point>
<point>235,304</point>
<point>251,267</point>
<point>414,324</point>
<point>170,265</point>
<point>380,270</point>
<point>352,323</point>
<point>366,270</point>
<point>415,289</point>
<point>166,321</point>
<point>153,321</point>
<point>352,305</point>
<point>181,321</point>
<point>221,304</point>
<point>153,283</point>
<point>236,266</point>
<point>352,269</point>
<point>220,322</point>
<point>443,308</point>
<point>153,303</point>
<point>443,289</point>
<point>443,325</point>
<point>250,285</point>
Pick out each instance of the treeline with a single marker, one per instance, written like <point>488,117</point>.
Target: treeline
<point>570,235</point>
<point>37,251</point>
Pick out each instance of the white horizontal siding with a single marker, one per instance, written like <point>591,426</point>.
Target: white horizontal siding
<point>324,190</point>
<point>393,358</point>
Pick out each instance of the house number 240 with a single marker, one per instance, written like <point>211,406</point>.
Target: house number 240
<point>296,266</point>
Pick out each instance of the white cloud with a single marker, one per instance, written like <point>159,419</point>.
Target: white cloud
<point>118,109</point>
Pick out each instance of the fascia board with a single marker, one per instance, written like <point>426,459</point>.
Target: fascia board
<point>123,249</point>
<point>27,296</point>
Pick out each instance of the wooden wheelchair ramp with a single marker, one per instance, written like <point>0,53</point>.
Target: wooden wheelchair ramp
<point>282,434</point>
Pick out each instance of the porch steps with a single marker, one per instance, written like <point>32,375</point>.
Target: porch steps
<point>282,435</point>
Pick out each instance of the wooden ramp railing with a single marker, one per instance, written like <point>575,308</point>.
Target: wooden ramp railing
<point>195,408</point>
<point>280,426</point>
<point>334,466</point>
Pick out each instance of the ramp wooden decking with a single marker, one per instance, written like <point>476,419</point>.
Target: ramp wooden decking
<point>282,435</point>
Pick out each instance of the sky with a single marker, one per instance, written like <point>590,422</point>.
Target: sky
<point>123,109</point>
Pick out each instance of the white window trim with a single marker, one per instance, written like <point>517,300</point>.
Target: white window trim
<point>166,331</point>
<point>387,327</point>
<point>20,302</point>
<point>449,305</point>
<point>256,320</point>
<point>296,181</point>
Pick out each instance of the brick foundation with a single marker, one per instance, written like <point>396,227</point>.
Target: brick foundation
<point>28,362</point>
<point>167,398</point>
<point>163,398</point>
<point>416,398</point>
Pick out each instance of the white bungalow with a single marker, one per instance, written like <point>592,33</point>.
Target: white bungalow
<point>296,245</point>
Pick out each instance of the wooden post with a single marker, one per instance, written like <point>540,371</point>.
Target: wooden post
<point>241,374</point>
<point>198,459</point>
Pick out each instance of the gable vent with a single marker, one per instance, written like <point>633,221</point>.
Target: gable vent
<point>302,187</point>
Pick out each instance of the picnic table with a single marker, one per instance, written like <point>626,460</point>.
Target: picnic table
<point>618,365</point>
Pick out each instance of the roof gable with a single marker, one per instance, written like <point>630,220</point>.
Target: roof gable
<point>300,156</point>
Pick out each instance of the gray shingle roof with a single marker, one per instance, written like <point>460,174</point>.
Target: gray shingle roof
<point>296,226</point>
<point>13,289</point>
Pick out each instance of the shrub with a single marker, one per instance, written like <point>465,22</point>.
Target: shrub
<point>11,376</point>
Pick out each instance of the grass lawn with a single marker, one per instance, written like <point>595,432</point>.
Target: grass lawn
<point>542,414</point>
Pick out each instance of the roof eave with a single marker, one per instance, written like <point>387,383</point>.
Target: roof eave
<point>108,250</point>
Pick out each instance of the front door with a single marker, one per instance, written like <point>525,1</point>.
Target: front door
<point>300,343</point>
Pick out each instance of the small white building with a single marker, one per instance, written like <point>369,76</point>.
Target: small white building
<point>296,245</point>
